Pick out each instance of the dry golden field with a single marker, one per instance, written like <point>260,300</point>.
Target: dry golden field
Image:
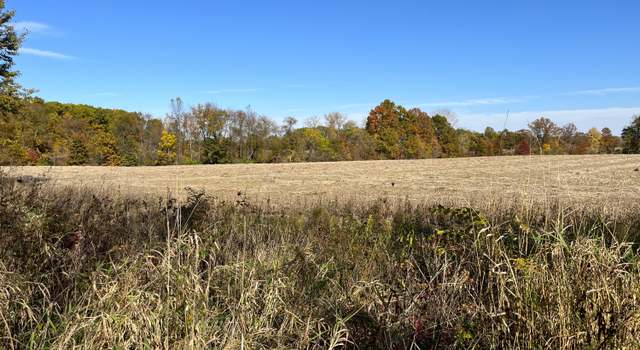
<point>595,179</point>
<point>85,270</point>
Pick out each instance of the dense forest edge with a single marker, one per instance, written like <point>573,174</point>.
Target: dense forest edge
<point>36,132</point>
<point>52,133</point>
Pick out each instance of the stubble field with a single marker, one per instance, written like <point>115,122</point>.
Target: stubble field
<point>586,180</point>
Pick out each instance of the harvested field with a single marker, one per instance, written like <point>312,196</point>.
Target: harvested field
<point>84,270</point>
<point>594,179</point>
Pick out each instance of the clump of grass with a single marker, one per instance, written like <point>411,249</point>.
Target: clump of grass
<point>86,270</point>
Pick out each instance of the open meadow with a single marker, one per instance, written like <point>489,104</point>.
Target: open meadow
<point>587,180</point>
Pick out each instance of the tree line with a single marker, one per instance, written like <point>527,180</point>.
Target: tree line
<point>52,133</point>
<point>35,132</point>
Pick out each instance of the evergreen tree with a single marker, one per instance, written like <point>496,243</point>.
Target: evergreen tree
<point>11,147</point>
<point>214,151</point>
<point>10,43</point>
<point>631,136</point>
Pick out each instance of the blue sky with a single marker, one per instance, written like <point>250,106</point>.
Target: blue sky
<point>567,60</point>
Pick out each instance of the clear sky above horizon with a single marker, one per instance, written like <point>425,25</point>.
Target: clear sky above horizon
<point>567,60</point>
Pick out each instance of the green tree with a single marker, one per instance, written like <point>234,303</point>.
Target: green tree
<point>12,150</point>
<point>316,146</point>
<point>631,136</point>
<point>214,151</point>
<point>10,43</point>
<point>417,134</point>
<point>414,148</point>
<point>150,140</point>
<point>447,137</point>
<point>127,129</point>
<point>359,145</point>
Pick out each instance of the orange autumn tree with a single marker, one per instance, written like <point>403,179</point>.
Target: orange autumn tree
<point>399,133</point>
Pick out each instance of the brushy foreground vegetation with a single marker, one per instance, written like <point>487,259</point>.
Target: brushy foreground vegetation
<point>85,270</point>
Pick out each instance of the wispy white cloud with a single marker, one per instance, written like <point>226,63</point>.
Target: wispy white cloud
<point>605,91</point>
<point>476,102</point>
<point>224,91</point>
<point>45,54</point>
<point>32,27</point>
<point>613,117</point>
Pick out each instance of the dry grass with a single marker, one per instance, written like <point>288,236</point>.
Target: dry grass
<point>595,179</point>
<point>85,270</point>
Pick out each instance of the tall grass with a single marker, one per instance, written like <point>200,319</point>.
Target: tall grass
<point>86,270</point>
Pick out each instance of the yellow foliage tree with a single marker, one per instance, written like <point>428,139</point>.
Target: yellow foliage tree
<point>595,139</point>
<point>167,148</point>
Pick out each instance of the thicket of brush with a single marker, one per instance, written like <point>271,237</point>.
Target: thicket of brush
<point>80,269</point>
